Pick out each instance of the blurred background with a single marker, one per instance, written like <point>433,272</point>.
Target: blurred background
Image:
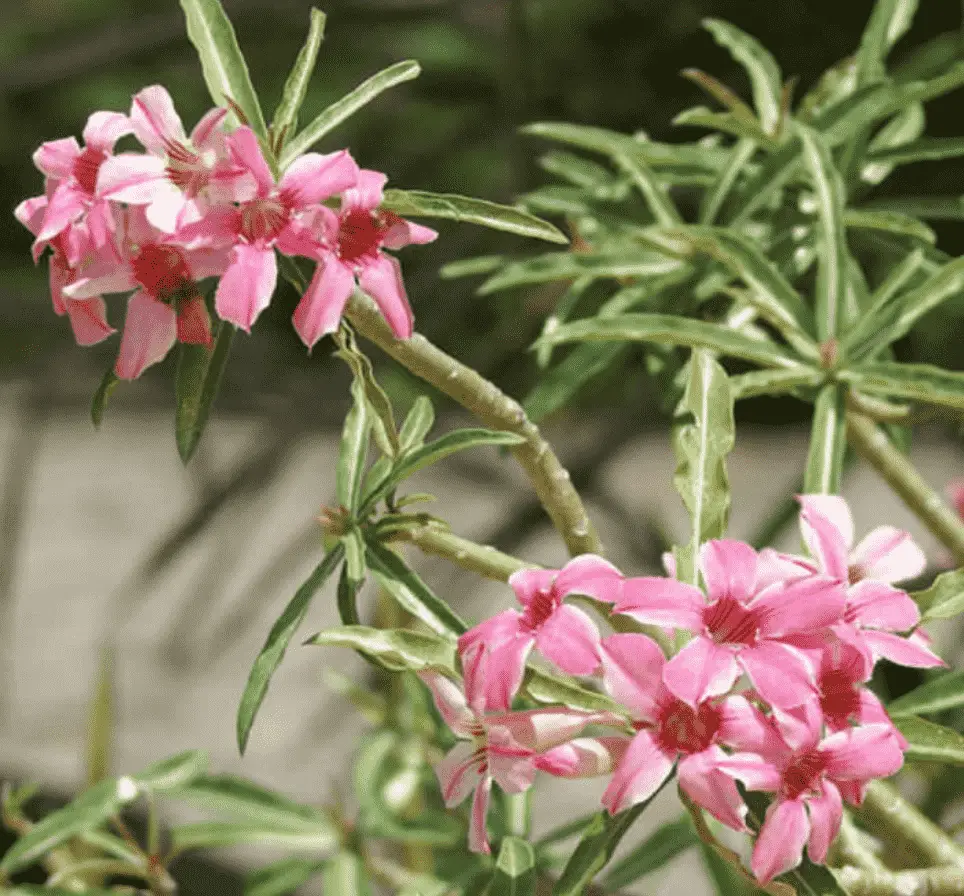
<point>106,539</point>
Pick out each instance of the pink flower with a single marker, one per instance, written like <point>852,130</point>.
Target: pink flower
<point>178,173</point>
<point>563,634</point>
<point>955,492</point>
<point>810,778</point>
<point>745,624</point>
<point>875,610</point>
<point>670,731</point>
<point>351,248</point>
<point>507,748</point>
<point>167,306</point>
<point>72,172</point>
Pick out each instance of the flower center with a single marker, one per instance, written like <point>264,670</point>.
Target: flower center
<point>685,730</point>
<point>263,219</point>
<point>185,168</point>
<point>359,235</point>
<point>162,271</point>
<point>542,605</point>
<point>86,167</point>
<point>855,573</point>
<point>729,622</point>
<point>839,699</point>
<point>803,774</point>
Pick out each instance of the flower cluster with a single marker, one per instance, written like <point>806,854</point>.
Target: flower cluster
<point>768,691</point>
<point>156,223</point>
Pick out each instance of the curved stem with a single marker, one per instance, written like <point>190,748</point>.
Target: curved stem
<point>478,558</point>
<point>493,407</point>
<point>872,444</point>
<point>927,882</point>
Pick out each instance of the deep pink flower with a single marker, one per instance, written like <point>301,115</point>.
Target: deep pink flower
<point>178,174</point>
<point>505,747</point>
<point>564,634</point>
<point>670,731</point>
<point>351,247</point>
<point>72,173</point>
<point>810,777</point>
<point>875,610</point>
<point>744,625</point>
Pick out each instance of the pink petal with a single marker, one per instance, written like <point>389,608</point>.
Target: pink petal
<point>513,774</point>
<point>246,152</point>
<point>402,233</point>
<point>801,726</point>
<point>828,531</point>
<point>450,702</point>
<point>527,583</point>
<point>753,771</point>
<point>504,626</point>
<point>66,205</point>
<point>744,728</point>
<point>133,178</point>
<point>313,177</point>
<point>205,262</point>
<point>31,213</point>
<point>366,195</point>
<point>458,773</point>
<point>584,757</point>
<point>729,568</point>
<point>478,838</point>
<point>879,605</point>
<point>826,812</point>
<point>663,602</point>
<point>155,121</point>
<point>170,210</point>
<point>539,730</point>
<point>381,278</point>
<point>193,321</point>
<point>320,309</point>
<point>56,157</point>
<point>592,576</point>
<point>903,651</point>
<point>474,679</point>
<point>702,669</point>
<point>207,127</point>
<point>706,785</point>
<point>570,640</point>
<point>774,566</point>
<point>639,775</point>
<point>150,330</point>
<point>803,605</point>
<point>633,673</point>
<point>246,288</point>
<point>779,846</point>
<point>104,129</point>
<point>88,320</point>
<point>890,555</point>
<point>502,669</point>
<point>119,279</point>
<point>781,674</point>
<point>858,754</point>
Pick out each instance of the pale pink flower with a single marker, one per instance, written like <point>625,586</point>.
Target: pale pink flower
<point>745,624</point>
<point>351,248</point>
<point>167,306</point>
<point>72,173</point>
<point>810,777</point>
<point>505,747</point>
<point>955,491</point>
<point>670,732</point>
<point>875,610</point>
<point>178,174</point>
<point>563,634</point>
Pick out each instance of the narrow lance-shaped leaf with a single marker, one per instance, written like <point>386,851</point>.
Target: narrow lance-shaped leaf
<point>286,115</point>
<point>515,869</point>
<point>282,878</point>
<point>344,875</point>
<point>663,845</point>
<point>225,71</point>
<point>914,382</point>
<point>98,403</point>
<point>945,597</point>
<point>932,208</point>
<point>174,773</point>
<point>704,437</point>
<point>928,742</point>
<point>396,649</point>
<point>545,687</point>
<point>889,222</point>
<point>660,205</point>
<point>217,834</point>
<point>889,21</point>
<point>466,210</point>
<point>351,578</point>
<point>828,443</point>
<point>418,423</point>
<point>588,266</point>
<point>559,384</point>
<point>927,149</point>
<point>944,692</point>
<point>451,443</point>
<point>353,450</point>
<point>723,184</point>
<point>347,106</point>
<point>199,374</point>
<point>774,382</point>
<point>277,643</point>
<point>903,128</point>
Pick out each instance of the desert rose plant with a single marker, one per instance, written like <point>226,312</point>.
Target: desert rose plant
<point>757,260</point>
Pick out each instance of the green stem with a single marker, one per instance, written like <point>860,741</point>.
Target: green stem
<point>927,882</point>
<point>872,444</point>
<point>851,849</point>
<point>478,558</point>
<point>98,868</point>
<point>827,443</point>
<point>518,814</point>
<point>493,407</point>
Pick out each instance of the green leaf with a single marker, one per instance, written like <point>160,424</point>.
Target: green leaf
<point>173,774</point>
<point>713,199</point>
<point>928,742</point>
<point>667,329</point>
<point>927,149</point>
<point>37,890</point>
<point>285,118</point>
<point>641,174</point>
<point>410,591</point>
<point>828,443</point>
<point>941,693</point>
<point>933,208</point>
<point>761,67</point>
<point>515,869</point>
<point>889,222</point>
<point>277,642</point>
<point>945,597</point>
<point>451,443</point>
<point>100,720</point>
<point>347,106</point>
<point>451,207</point>
<point>663,845</point>
<point>281,878</point>
<point>98,403</point>
<point>216,834</point>
<point>344,875</point>
<point>348,584</point>
<point>199,373</point>
<point>353,450</point>
<point>832,250</point>
<point>906,126</point>
<point>727,122</point>
<point>545,687</point>
<point>572,265</point>
<point>890,20</point>
<point>471,267</point>
<point>704,436</point>
<point>396,649</point>
<point>774,382</point>
<point>559,384</point>
<point>225,71</point>
<point>418,423</point>
<point>913,382</point>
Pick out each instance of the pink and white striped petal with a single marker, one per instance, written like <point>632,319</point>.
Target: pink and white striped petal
<point>889,555</point>
<point>155,120</point>
<point>828,531</point>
